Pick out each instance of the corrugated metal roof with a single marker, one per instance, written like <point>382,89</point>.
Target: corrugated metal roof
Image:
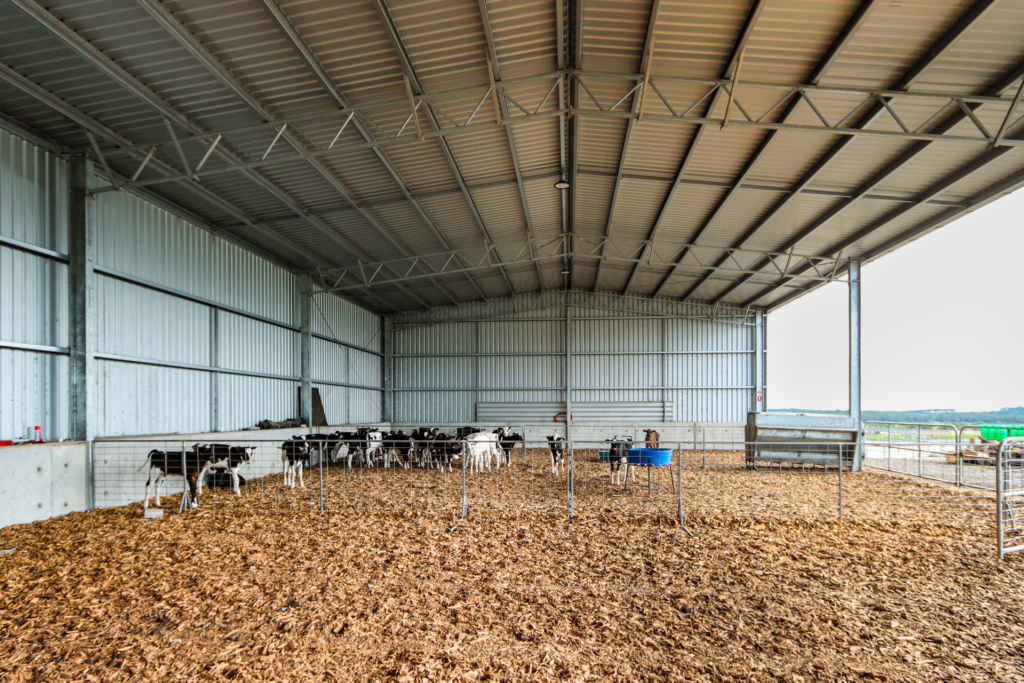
<point>687,190</point>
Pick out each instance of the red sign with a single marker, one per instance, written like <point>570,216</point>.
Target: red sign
<point>760,396</point>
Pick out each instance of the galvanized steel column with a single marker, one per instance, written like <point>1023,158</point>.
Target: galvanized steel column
<point>388,379</point>
<point>214,363</point>
<point>568,367</point>
<point>306,351</point>
<point>759,361</point>
<point>81,301</point>
<point>855,339</point>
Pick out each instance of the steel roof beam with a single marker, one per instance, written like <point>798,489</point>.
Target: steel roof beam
<point>493,58</point>
<point>162,16</point>
<point>339,150</point>
<point>933,191</point>
<point>1015,74</point>
<point>741,44</point>
<point>107,66</point>
<point>314,65</point>
<point>88,123</point>
<point>645,68</point>
<point>399,48</point>
<point>726,273</point>
<point>844,37</point>
<point>989,194</point>
<point>936,52</point>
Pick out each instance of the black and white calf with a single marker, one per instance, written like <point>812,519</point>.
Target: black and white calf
<point>442,451</point>
<point>618,457</point>
<point>397,448</point>
<point>462,432</point>
<point>294,454</point>
<point>230,458</point>
<point>422,438</point>
<point>556,445</point>
<point>163,464</point>
<point>507,442</point>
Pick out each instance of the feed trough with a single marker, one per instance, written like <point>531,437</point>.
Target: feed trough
<point>649,457</point>
<point>803,439</point>
<point>605,455</point>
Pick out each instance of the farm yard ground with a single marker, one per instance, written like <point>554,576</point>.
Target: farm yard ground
<point>391,592</point>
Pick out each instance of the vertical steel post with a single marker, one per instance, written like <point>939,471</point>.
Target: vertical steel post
<point>306,351</point>
<point>322,456</point>
<point>90,485</point>
<point>840,449</point>
<point>81,301</point>
<point>679,478</point>
<point>568,369</point>
<point>214,363</point>
<point>999,501</point>
<point>758,362</point>
<point>854,282</point>
<point>388,370</point>
<point>465,457</point>
<point>888,449</point>
<point>920,462</point>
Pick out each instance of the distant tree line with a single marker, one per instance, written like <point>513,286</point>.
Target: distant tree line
<point>1002,416</point>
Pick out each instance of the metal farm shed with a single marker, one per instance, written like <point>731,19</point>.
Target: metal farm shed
<point>448,210</point>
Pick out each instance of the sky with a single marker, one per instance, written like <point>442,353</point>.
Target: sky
<point>942,324</point>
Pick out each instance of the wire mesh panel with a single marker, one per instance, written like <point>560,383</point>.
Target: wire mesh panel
<point>929,451</point>
<point>1010,496</point>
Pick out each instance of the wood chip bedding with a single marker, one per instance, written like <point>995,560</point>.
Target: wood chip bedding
<point>233,592</point>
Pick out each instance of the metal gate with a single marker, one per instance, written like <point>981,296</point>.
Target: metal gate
<point>1010,495</point>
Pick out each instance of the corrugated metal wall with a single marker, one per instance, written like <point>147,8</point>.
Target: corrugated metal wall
<point>347,364</point>
<point>33,291</point>
<point>173,301</point>
<point>514,352</point>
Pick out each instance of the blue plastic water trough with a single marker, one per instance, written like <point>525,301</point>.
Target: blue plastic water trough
<point>649,457</point>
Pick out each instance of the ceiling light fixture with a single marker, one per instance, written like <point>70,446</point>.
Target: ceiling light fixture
<point>565,271</point>
<point>562,185</point>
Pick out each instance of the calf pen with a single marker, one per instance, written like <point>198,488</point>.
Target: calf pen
<point>703,480</point>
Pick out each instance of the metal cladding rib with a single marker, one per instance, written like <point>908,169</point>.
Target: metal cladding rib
<point>176,29</point>
<point>399,47</point>
<point>645,68</point>
<point>100,130</point>
<point>734,57</point>
<point>940,48</point>
<point>119,75</point>
<point>493,60</point>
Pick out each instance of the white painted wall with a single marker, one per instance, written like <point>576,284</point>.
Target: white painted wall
<point>42,481</point>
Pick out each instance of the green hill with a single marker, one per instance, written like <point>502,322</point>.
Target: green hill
<point>1002,416</point>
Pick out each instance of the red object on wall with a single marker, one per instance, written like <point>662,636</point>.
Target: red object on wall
<point>571,418</point>
<point>6,443</point>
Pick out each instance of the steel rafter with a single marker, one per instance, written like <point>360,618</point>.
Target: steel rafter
<point>934,190</point>
<point>626,305</point>
<point>331,89</point>
<point>167,21</point>
<point>989,194</point>
<point>88,123</point>
<point>587,248</point>
<point>492,57</point>
<point>574,49</point>
<point>107,66</point>
<point>879,106</point>
<point>945,100</point>
<point>741,44</point>
<point>410,72</point>
<point>793,104</point>
<point>645,68</point>
<point>894,167</point>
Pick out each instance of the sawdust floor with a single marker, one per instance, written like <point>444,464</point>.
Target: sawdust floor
<point>233,591</point>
